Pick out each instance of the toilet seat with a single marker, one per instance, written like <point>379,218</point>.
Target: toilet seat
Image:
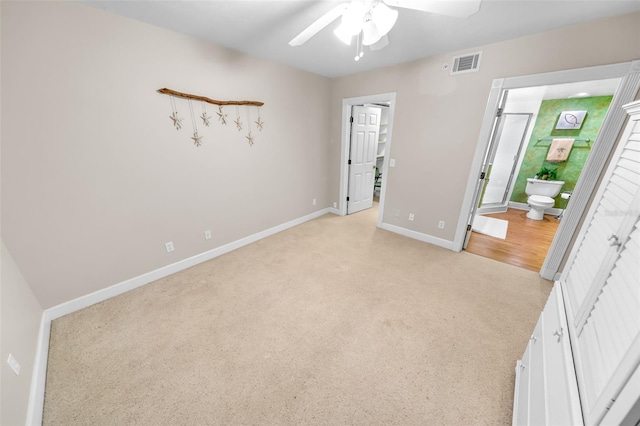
<point>541,199</point>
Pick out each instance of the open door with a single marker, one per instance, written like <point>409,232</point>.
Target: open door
<point>365,126</point>
<point>504,164</point>
<point>489,154</point>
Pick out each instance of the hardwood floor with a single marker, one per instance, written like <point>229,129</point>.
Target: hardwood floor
<point>526,244</point>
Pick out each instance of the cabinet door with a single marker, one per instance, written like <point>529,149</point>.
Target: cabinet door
<point>537,394</point>
<point>562,401</point>
<point>521,399</point>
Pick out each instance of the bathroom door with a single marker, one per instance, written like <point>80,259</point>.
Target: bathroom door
<point>504,162</point>
<point>489,153</point>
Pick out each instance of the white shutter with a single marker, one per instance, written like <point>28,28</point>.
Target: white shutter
<point>609,342</point>
<point>602,281</point>
<point>622,184</point>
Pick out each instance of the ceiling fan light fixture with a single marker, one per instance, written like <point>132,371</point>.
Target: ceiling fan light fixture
<point>384,18</point>
<point>343,34</point>
<point>383,42</point>
<point>352,18</point>
<point>370,33</point>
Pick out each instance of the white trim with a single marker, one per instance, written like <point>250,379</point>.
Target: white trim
<point>476,163</point>
<point>39,375</point>
<point>347,103</point>
<point>38,380</point>
<point>418,236</point>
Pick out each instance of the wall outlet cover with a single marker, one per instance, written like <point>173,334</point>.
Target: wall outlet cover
<point>169,246</point>
<point>13,363</point>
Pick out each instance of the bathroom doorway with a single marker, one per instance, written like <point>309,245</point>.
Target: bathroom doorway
<point>566,86</point>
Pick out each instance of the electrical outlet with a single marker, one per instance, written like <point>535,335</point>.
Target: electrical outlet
<point>313,202</point>
<point>335,205</point>
<point>411,216</point>
<point>13,363</point>
<point>397,212</point>
<point>441,224</point>
<point>207,234</point>
<point>169,246</point>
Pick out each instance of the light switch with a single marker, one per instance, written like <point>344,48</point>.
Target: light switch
<point>392,162</point>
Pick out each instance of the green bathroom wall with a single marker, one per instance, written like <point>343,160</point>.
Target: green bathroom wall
<point>535,156</point>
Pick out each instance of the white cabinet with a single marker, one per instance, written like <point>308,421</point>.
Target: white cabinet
<point>546,389</point>
<point>594,310</point>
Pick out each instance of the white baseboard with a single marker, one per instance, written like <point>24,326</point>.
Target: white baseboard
<point>36,393</point>
<point>418,236</point>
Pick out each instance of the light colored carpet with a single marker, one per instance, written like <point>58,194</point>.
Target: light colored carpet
<point>490,226</point>
<point>333,322</point>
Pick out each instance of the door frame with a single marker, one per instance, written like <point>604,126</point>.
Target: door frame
<point>629,72</point>
<point>347,103</point>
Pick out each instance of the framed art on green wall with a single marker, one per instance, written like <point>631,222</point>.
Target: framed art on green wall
<point>571,120</point>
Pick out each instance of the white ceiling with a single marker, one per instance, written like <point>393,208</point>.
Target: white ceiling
<point>263,28</point>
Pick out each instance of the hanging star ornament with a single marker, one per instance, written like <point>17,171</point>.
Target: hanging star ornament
<point>250,138</point>
<point>177,121</point>
<point>259,123</point>
<point>222,117</point>
<point>238,123</point>
<point>206,119</point>
<point>197,139</point>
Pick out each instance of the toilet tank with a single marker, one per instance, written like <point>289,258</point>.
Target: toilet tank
<point>548,188</point>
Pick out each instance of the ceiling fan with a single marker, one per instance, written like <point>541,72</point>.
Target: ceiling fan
<point>370,20</point>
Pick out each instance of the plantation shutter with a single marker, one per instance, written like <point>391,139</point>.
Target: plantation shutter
<point>602,285</point>
<point>614,203</point>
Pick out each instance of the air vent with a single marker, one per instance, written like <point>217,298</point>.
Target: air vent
<point>466,63</point>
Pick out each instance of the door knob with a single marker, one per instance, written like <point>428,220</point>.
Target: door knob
<point>614,241</point>
<point>558,334</point>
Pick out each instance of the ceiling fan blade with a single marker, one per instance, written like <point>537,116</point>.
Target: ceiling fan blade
<point>318,25</point>
<point>456,9</point>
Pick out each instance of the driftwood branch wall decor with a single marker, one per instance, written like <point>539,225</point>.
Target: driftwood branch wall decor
<point>206,119</point>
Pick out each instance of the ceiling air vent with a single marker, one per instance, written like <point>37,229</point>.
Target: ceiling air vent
<point>466,63</point>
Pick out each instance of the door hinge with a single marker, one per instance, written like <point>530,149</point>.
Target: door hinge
<point>351,119</point>
<point>499,113</point>
<point>349,163</point>
<point>468,228</point>
<point>610,403</point>
<point>347,198</point>
<point>482,175</point>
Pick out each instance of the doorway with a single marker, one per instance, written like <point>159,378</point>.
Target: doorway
<point>382,155</point>
<point>629,81</point>
<point>503,199</point>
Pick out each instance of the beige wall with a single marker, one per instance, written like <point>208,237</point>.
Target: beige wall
<point>438,116</point>
<point>95,179</point>
<point>20,322</point>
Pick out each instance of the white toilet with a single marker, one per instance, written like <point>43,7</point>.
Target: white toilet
<point>541,193</point>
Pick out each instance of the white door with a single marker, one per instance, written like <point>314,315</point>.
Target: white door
<point>489,154</point>
<point>365,127</point>
<point>498,184</point>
